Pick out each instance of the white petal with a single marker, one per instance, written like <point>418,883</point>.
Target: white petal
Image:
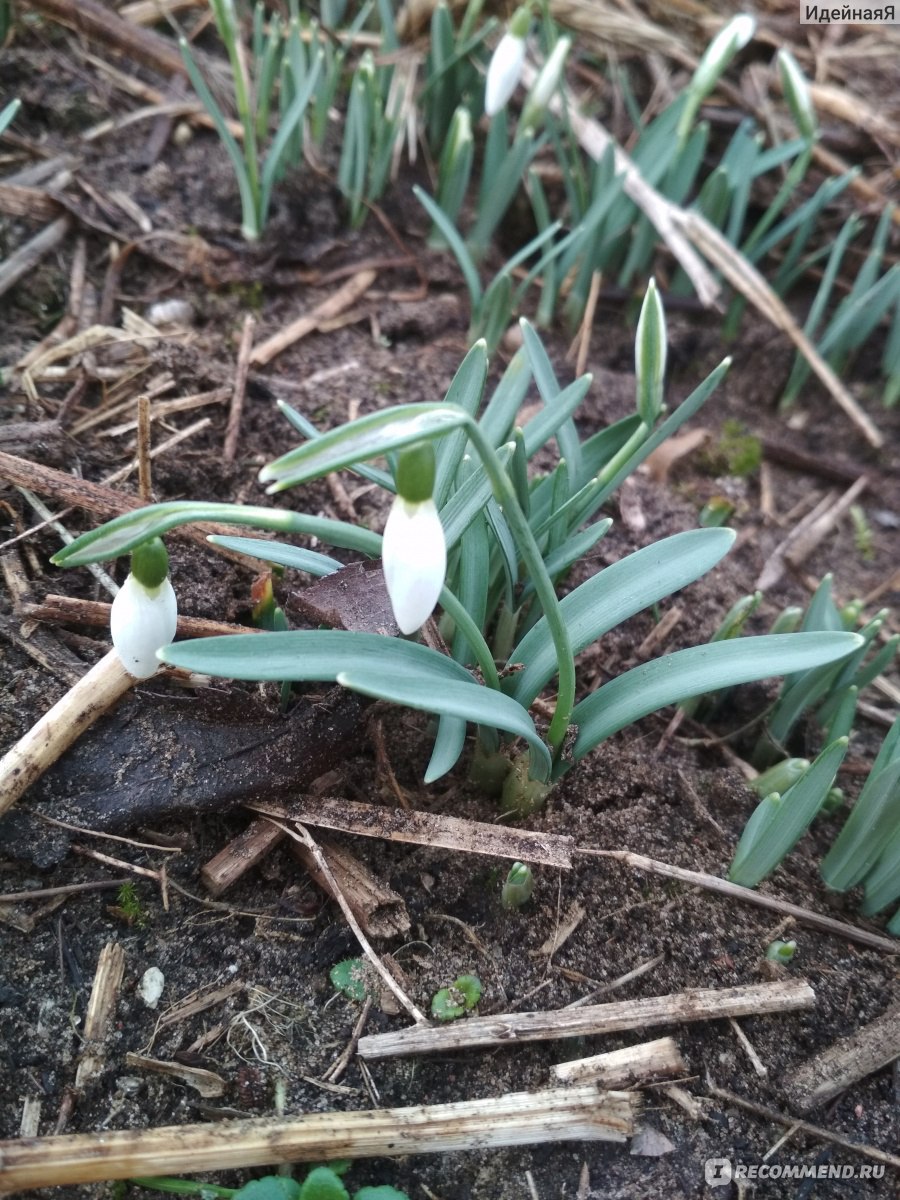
<point>503,72</point>
<point>414,559</point>
<point>141,622</point>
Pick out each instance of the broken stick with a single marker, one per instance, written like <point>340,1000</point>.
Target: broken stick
<point>93,695</point>
<point>829,1073</point>
<point>516,1119</point>
<point>624,1068</point>
<point>702,1004</point>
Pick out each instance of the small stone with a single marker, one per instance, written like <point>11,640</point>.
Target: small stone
<point>650,1143</point>
<point>151,986</point>
<point>170,312</point>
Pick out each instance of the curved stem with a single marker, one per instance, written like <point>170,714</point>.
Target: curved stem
<point>453,607</point>
<point>543,585</point>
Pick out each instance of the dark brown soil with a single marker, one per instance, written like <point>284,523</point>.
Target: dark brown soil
<point>273,932</point>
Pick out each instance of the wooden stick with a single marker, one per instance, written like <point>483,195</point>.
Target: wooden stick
<point>377,907</point>
<point>771,1114</point>
<point>93,695</point>
<point>27,257</point>
<point>702,1004</point>
<point>346,295</point>
<point>95,885</point>
<point>516,1119</point>
<point>70,610</point>
<point>828,1073</point>
<point>233,429</point>
<point>624,1068</point>
<point>100,499</point>
<point>302,835</point>
<point>207,1083</point>
<point>747,896</point>
<point>239,856</point>
<point>145,477</point>
<point>424,829</point>
<point>100,1012</point>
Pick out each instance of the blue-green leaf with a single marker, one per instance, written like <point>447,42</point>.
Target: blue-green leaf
<point>318,654</point>
<point>279,554</point>
<point>762,847</point>
<point>453,697</point>
<point>465,392</point>
<point>613,595</point>
<point>122,534</point>
<point>699,669</point>
<point>367,437</point>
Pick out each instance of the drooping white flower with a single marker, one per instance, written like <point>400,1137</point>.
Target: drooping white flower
<point>142,620</point>
<point>503,72</point>
<point>414,559</point>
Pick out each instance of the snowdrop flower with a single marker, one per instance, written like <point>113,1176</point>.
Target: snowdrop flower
<point>414,550</point>
<point>506,63</point>
<point>546,83</point>
<point>144,613</point>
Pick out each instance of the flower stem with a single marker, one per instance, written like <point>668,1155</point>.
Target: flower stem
<point>543,585</point>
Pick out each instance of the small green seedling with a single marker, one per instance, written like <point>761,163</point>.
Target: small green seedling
<point>353,977</point>
<point>456,1000</point>
<point>518,886</point>
<point>779,951</point>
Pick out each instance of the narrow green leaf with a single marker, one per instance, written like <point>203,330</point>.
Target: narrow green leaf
<point>571,551</point>
<point>873,819</point>
<point>470,499</point>
<point>499,415</point>
<point>122,534</point>
<point>279,554</point>
<point>314,655</point>
<point>883,881</point>
<point>758,855</point>
<point>613,595</point>
<point>545,378</point>
<point>699,669</point>
<point>465,392</point>
<point>671,425</point>
<point>367,437</point>
<point>549,421</point>
<point>448,746</point>
<point>306,427</point>
<point>467,700</point>
<point>456,244</point>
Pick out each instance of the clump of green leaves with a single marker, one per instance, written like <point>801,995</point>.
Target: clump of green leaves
<point>511,535</point>
<point>455,1001</point>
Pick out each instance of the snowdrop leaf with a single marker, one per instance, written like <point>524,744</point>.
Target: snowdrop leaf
<point>367,437</point>
<point>697,670</point>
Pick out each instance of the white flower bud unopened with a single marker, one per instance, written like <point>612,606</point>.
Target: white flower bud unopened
<point>414,559</point>
<point>504,72</point>
<point>142,620</point>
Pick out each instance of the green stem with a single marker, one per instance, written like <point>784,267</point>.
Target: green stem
<point>543,585</point>
<point>230,34</point>
<point>454,609</point>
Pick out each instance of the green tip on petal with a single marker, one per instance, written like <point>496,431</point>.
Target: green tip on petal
<point>150,563</point>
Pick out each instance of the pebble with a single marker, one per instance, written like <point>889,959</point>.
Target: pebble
<point>151,986</point>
